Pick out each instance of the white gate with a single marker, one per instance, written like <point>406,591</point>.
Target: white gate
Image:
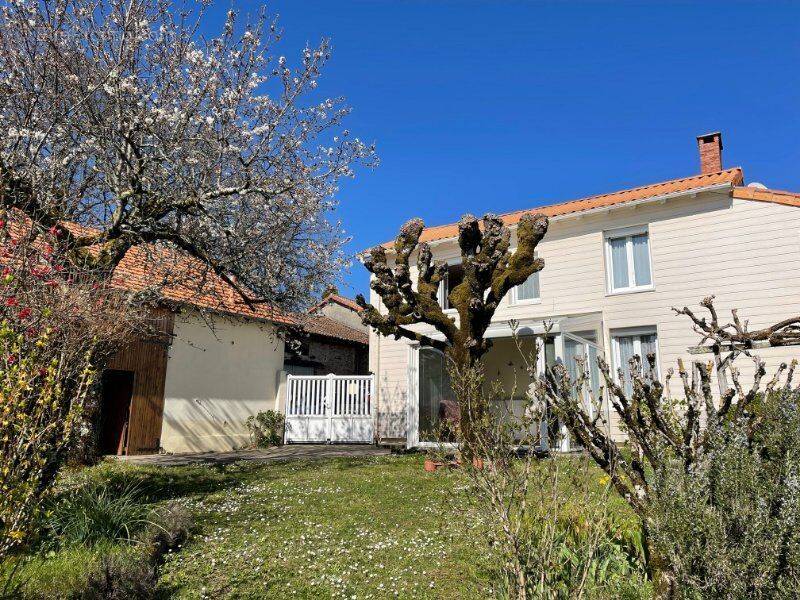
<point>329,408</point>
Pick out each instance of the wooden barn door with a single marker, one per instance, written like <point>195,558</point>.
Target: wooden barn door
<point>147,359</point>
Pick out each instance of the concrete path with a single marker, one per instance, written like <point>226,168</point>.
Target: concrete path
<point>277,454</point>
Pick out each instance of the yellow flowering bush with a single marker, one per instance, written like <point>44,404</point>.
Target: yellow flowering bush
<point>57,327</point>
<point>38,417</point>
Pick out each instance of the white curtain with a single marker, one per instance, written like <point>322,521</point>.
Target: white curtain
<point>530,289</point>
<point>641,259</point>
<point>434,385</point>
<point>619,262</point>
<point>626,351</point>
<point>648,347</point>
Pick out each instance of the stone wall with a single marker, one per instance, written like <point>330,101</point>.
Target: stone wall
<point>339,358</point>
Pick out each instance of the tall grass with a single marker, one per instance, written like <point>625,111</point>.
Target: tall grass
<point>97,512</point>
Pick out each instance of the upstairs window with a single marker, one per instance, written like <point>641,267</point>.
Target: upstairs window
<point>628,260</point>
<point>527,292</point>
<point>455,275</point>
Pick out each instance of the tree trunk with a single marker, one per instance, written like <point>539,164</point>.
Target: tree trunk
<point>658,569</point>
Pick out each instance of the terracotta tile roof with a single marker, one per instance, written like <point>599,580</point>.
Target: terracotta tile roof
<point>730,176</point>
<point>181,279</point>
<point>184,280</point>
<point>341,300</point>
<point>327,327</point>
<point>767,195</point>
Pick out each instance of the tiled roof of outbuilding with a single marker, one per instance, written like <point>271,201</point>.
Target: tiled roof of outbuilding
<point>327,327</point>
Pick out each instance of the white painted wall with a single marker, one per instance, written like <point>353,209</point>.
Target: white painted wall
<point>747,253</point>
<point>215,380</point>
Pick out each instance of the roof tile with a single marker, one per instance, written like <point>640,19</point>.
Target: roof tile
<point>730,176</point>
<point>767,195</point>
<point>325,326</point>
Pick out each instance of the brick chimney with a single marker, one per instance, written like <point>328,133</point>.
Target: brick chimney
<point>710,146</point>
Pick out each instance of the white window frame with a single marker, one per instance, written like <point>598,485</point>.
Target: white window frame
<point>628,233</point>
<point>637,333</point>
<point>442,292</point>
<point>517,301</point>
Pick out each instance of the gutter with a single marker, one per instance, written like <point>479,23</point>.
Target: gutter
<point>602,209</point>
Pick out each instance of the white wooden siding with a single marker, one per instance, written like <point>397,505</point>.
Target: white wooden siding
<point>746,253</point>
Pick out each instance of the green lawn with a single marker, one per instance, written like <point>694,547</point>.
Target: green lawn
<point>343,528</point>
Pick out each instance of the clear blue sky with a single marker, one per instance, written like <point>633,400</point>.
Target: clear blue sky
<point>496,106</point>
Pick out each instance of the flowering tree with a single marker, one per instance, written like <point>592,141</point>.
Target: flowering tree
<point>123,127</point>
<point>117,115</point>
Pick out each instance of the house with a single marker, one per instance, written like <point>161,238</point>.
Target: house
<point>214,361</point>
<point>616,264</point>
<point>334,340</point>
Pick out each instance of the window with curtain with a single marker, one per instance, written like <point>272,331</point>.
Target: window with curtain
<point>527,291</point>
<point>626,346</point>
<point>436,397</point>
<point>628,260</point>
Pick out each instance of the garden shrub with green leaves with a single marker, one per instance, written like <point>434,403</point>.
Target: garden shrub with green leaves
<point>730,526</point>
<point>96,512</point>
<point>57,324</point>
<point>266,428</point>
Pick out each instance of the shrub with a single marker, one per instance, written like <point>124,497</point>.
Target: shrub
<point>95,512</point>
<point>554,523</point>
<point>729,526</point>
<point>577,543</point>
<point>120,578</point>
<point>266,428</point>
<point>170,529</point>
<point>58,324</point>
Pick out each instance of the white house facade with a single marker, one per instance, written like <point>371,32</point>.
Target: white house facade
<point>616,264</point>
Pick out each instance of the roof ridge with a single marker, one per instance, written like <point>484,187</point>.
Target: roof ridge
<point>339,299</point>
<point>731,176</point>
<point>622,191</point>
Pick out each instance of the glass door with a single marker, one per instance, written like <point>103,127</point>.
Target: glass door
<point>580,356</point>
<point>437,403</point>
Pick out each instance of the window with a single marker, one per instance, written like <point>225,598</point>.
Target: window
<point>640,343</point>
<point>527,292</point>
<point>628,260</point>
<point>455,275</point>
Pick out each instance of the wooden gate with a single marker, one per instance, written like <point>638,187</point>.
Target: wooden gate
<point>329,408</point>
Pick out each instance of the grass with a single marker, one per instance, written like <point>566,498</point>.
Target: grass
<point>341,528</point>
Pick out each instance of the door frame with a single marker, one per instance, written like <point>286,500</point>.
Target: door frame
<point>122,444</point>
<point>586,343</point>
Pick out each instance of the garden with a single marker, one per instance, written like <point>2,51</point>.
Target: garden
<point>376,527</point>
<point>131,130</point>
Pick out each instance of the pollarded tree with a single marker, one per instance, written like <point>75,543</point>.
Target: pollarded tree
<point>679,431</point>
<point>491,269</point>
<point>119,115</point>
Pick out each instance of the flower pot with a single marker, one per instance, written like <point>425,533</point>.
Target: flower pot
<point>477,463</point>
<point>430,465</point>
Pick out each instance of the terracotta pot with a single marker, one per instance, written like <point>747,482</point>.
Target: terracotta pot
<point>431,465</point>
<point>477,463</point>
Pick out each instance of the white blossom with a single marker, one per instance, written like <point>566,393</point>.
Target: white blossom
<point>177,136</point>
